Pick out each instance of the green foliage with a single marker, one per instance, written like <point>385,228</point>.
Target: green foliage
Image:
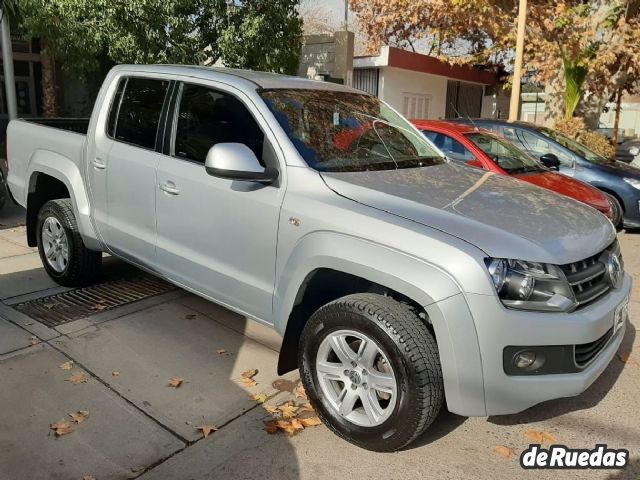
<point>256,34</point>
<point>263,35</point>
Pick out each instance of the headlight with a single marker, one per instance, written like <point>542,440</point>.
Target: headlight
<point>633,182</point>
<point>530,285</point>
<point>634,151</point>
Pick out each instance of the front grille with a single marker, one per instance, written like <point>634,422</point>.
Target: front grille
<point>586,352</point>
<point>588,278</point>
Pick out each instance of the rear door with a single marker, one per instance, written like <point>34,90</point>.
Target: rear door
<point>216,236</point>
<point>131,170</point>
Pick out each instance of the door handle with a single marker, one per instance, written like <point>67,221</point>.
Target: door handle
<point>169,188</point>
<point>98,164</point>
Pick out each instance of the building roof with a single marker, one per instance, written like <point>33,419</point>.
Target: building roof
<point>417,62</point>
<point>249,78</point>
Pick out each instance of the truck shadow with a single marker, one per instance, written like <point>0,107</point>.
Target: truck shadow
<point>181,337</point>
<point>588,399</point>
<point>630,472</point>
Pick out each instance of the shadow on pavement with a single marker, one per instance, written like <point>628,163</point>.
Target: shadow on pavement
<point>588,399</point>
<point>631,472</point>
<point>136,420</point>
<point>443,425</point>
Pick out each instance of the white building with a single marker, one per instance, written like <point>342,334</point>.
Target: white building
<point>423,87</point>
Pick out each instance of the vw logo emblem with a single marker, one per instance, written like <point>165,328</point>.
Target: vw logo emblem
<point>615,270</point>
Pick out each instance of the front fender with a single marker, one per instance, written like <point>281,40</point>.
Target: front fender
<point>418,280</point>
<point>66,171</point>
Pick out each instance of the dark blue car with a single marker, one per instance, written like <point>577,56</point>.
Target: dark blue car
<point>620,181</point>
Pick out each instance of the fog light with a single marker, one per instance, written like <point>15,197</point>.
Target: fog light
<point>525,359</point>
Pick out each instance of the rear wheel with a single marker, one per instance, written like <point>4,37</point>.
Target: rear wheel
<point>372,371</point>
<point>616,211</point>
<point>64,256</point>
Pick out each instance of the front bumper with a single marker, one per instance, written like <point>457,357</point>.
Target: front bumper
<point>497,327</point>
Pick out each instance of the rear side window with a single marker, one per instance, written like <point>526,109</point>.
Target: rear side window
<point>139,114</point>
<point>207,117</point>
<point>451,147</point>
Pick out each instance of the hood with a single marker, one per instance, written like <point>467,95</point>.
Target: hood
<point>504,217</point>
<point>570,187</point>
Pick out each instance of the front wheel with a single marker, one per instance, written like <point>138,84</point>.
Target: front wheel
<point>372,371</point>
<point>65,258</point>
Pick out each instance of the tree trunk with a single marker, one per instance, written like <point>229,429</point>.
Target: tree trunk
<point>616,123</point>
<point>554,100</point>
<point>49,87</point>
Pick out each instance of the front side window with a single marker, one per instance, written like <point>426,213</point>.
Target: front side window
<point>346,132</point>
<point>207,117</point>
<point>508,157</point>
<point>451,147</point>
<point>140,109</point>
<point>574,146</point>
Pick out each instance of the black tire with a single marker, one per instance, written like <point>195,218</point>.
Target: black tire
<point>3,190</point>
<point>410,349</point>
<point>617,212</point>
<point>84,264</point>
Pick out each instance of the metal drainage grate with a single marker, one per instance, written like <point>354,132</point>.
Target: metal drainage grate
<point>66,307</point>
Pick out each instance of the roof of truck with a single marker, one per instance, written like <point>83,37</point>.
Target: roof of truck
<point>248,78</point>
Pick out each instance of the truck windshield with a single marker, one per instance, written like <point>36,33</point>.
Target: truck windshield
<point>508,157</point>
<point>348,132</point>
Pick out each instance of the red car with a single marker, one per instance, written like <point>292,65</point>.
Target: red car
<point>482,149</point>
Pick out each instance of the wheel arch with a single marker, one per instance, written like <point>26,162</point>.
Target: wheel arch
<point>314,275</point>
<point>53,176</point>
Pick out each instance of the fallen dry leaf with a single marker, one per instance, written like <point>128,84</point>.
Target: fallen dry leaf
<point>272,409</point>
<point>291,427</point>
<point>115,374</point>
<point>221,351</point>
<point>79,416</point>
<point>310,421</point>
<point>61,427</point>
<point>307,408</point>
<point>288,410</point>
<point>271,426</point>
<point>175,382</point>
<point>505,452</point>
<point>67,365</point>
<point>248,382</point>
<point>300,392</point>
<point>540,437</point>
<point>252,372</point>
<point>260,397</point>
<point>207,429</point>
<point>625,357</point>
<point>88,477</point>
<point>49,306</point>
<point>284,385</point>
<point>99,307</point>
<point>77,378</point>
<point>33,340</point>
<point>191,316</point>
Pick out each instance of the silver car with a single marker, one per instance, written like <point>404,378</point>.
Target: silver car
<point>396,278</point>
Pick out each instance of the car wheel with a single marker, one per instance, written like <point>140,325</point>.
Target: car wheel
<point>616,211</point>
<point>64,256</point>
<point>371,370</point>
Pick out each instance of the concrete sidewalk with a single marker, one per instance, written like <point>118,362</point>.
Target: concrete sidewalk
<point>138,426</point>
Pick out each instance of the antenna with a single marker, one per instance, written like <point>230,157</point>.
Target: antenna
<point>467,117</point>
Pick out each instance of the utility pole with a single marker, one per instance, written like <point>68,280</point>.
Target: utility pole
<point>514,109</point>
<point>346,15</point>
<point>7,62</point>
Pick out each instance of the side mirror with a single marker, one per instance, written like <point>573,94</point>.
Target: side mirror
<point>550,161</point>
<point>236,161</point>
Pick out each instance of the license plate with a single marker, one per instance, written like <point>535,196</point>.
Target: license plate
<point>621,315</point>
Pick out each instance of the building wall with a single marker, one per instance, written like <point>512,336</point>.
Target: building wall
<point>328,55</point>
<point>396,83</point>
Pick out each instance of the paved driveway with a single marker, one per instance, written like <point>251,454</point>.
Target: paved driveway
<point>139,426</point>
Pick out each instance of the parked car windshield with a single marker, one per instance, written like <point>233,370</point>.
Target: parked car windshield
<point>348,132</point>
<point>574,146</point>
<point>508,157</point>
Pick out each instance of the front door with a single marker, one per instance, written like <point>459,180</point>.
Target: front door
<point>216,236</point>
<point>131,171</point>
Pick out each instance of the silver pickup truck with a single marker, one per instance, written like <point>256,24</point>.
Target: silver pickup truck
<point>397,279</point>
